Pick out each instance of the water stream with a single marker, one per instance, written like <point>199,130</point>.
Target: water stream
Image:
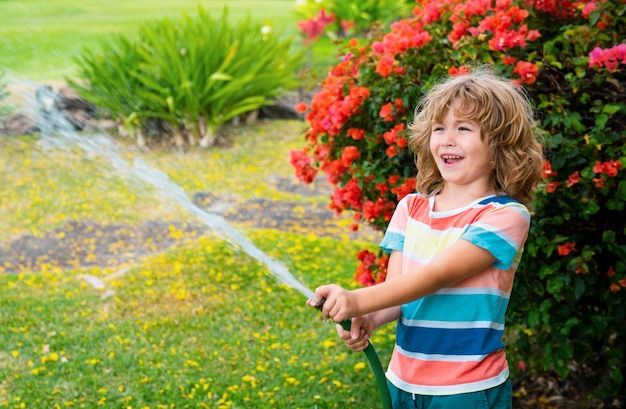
<point>57,132</point>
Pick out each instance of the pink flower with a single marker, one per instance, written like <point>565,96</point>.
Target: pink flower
<point>588,9</point>
<point>608,58</point>
<point>315,27</point>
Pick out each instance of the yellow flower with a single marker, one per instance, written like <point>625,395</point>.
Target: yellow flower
<point>359,366</point>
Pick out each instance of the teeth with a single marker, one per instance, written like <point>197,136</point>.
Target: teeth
<point>446,158</point>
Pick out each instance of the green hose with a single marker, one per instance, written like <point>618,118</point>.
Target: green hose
<point>372,357</point>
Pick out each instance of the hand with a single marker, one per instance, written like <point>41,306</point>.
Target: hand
<point>339,304</point>
<point>357,339</point>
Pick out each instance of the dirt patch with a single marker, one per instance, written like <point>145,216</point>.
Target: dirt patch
<point>90,244</point>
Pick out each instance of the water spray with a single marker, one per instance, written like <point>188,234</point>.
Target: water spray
<point>372,357</point>
<point>56,131</point>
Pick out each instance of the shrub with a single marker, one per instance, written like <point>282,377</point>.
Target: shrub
<point>190,77</point>
<point>567,312</point>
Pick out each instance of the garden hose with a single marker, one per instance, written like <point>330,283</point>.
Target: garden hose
<point>372,357</point>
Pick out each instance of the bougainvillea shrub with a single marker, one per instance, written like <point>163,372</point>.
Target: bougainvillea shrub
<point>568,309</point>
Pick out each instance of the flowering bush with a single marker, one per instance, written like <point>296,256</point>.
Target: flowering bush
<point>570,55</point>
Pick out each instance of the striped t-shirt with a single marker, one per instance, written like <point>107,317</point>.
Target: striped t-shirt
<point>451,342</point>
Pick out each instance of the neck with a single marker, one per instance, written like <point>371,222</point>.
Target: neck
<point>453,197</point>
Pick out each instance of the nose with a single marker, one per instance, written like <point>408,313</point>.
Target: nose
<point>447,138</point>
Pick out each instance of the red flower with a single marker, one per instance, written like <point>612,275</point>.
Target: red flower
<point>527,71</point>
<point>385,66</point>
<point>406,188</point>
<point>386,111</point>
<point>363,276</point>
<point>573,179</point>
<point>598,167</point>
<point>610,168</point>
<point>305,172</point>
<point>356,133</point>
<point>349,154</point>
<point>599,182</point>
<point>552,186</point>
<point>382,188</point>
<point>391,151</point>
<point>565,249</point>
<point>458,71</point>
<point>301,107</point>
<point>610,272</point>
<point>508,60</point>
<point>547,170</point>
<point>393,179</point>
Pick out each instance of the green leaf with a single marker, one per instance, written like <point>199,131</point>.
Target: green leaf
<point>611,109</point>
<point>533,318</point>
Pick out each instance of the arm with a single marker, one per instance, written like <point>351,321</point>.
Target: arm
<point>457,262</point>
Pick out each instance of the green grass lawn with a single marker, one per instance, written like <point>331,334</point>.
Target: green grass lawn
<point>202,325</point>
<point>39,38</point>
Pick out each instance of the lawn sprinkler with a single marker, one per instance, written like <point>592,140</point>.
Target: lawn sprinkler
<point>372,357</point>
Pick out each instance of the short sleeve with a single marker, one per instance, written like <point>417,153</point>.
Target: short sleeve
<point>394,235</point>
<point>502,231</point>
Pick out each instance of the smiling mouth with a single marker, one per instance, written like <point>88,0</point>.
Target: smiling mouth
<point>450,158</point>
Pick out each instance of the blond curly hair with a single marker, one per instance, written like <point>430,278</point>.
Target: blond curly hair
<point>506,118</point>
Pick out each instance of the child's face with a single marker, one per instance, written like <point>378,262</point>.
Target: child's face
<point>459,151</point>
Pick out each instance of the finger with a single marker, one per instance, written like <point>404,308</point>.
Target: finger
<point>342,333</point>
<point>337,314</point>
<point>355,329</point>
<point>327,309</point>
